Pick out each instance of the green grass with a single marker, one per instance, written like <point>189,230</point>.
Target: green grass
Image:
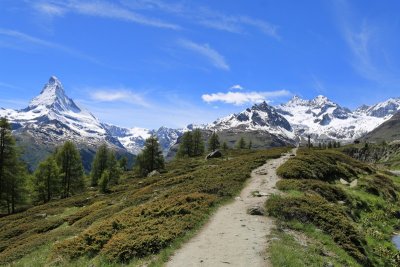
<point>142,220</point>
<point>305,245</point>
<point>358,222</point>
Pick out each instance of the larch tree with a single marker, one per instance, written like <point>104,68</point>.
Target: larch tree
<point>241,143</point>
<point>186,145</point>
<point>150,158</point>
<point>46,180</point>
<point>99,164</point>
<point>12,170</point>
<point>71,169</point>
<point>213,142</point>
<point>198,143</point>
<point>113,168</point>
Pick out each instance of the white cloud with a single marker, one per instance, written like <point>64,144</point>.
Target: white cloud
<point>206,51</point>
<point>236,87</point>
<point>49,9</point>
<point>240,98</point>
<point>118,95</point>
<point>102,9</point>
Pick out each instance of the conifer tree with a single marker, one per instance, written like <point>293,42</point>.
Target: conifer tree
<point>330,144</point>
<point>250,145</point>
<point>113,169</point>
<point>12,171</point>
<point>225,146</point>
<point>241,143</point>
<point>46,180</point>
<point>99,164</point>
<point>150,158</point>
<point>186,145</point>
<point>71,169</point>
<point>104,180</point>
<point>213,142</point>
<point>198,143</point>
<point>123,163</point>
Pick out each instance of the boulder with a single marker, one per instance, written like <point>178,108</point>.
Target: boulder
<point>214,154</point>
<point>256,210</point>
<point>153,173</point>
<point>354,183</point>
<point>343,181</point>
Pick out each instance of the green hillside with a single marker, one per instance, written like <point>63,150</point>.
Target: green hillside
<point>334,211</point>
<point>140,220</point>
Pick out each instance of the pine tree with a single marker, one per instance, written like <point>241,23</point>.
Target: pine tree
<point>104,180</point>
<point>186,145</point>
<point>71,169</point>
<point>46,180</point>
<point>330,144</point>
<point>213,142</point>
<point>12,171</point>
<point>250,145</point>
<point>99,164</point>
<point>225,146</point>
<point>198,143</point>
<point>241,143</point>
<point>150,158</point>
<point>123,163</point>
<point>113,168</point>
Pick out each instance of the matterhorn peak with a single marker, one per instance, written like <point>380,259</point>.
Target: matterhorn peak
<point>53,96</point>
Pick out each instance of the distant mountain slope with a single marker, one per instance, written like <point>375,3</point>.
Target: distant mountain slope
<point>323,119</point>
<point>387,131</point>
<point>133,139</point>
<point>259,118</point>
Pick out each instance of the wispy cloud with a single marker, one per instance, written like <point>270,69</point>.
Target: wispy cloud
<point>366,42</point>
<point>235,24</point>
<point>236,87</point>
<point>17,36</point>
<point>102,9</point>
<point>206,51</point>
<point>240,98</point>
<point>118,95</point>
<point>207,17</point>
<point>49,8</point>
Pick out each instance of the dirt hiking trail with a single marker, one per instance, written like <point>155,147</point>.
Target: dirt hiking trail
<point>232,237</point>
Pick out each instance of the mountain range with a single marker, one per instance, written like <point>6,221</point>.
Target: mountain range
<point>52,118</point>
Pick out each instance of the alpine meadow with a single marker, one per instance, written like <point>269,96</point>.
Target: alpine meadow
<point>199,133</point>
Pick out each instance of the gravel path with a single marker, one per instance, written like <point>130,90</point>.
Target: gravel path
<point>232,237</point>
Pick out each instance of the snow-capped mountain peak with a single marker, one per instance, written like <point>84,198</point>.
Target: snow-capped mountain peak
<point>322,101</point>
<point>53,96</point>
<point>385,108</point>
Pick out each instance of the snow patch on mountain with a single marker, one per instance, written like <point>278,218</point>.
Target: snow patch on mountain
<point>323,119</point>
<point>261,117</point>
<point>134,139</point>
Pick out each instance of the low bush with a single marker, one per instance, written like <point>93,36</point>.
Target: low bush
<point>382,185</point>
<point>324,165</point>
<point>330,218</point>
<point>328,191</point>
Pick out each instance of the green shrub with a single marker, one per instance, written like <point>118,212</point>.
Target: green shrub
<point>330,218</point>
<point>330,192</point>
<point>324,165</point>
<point>382,185</point>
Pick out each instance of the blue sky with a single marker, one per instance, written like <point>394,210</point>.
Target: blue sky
<point>148,63</point>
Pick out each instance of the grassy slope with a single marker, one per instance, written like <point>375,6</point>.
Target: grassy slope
<point>140,220</point>
<point>335,223</point>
